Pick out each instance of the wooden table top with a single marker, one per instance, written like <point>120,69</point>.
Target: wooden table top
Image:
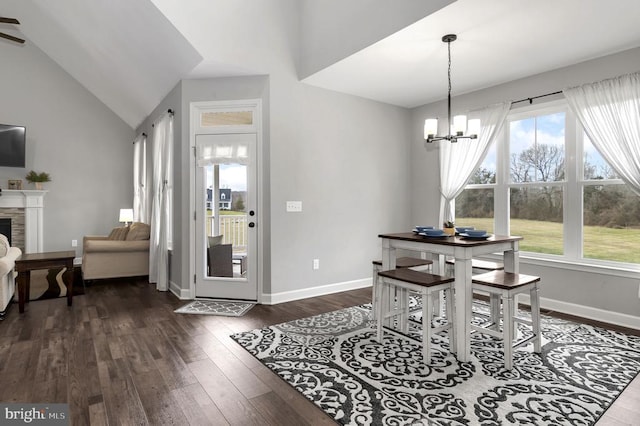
<point>450,240</point>
<point>50,255</point>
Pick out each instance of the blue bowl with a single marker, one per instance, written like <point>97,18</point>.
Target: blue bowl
<point>475,232</point>
<point>433,232</point>
<point>423,228</point>
<point>463,229</point>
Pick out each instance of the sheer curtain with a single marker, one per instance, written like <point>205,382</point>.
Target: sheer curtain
<point>458,161</point>
<point>140,197</point>
<point>162,203</point>
<point>609,111</point>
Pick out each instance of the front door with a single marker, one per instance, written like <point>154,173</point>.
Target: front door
<point>226,216</point>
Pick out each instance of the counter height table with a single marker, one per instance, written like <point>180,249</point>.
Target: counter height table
<point>463,250</point>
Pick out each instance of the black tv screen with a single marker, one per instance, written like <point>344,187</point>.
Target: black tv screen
<point>12,145</point>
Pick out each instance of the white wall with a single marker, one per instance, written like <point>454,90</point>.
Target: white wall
<point>84,146</point>
<point>602,295</point>
<point>345,158</point>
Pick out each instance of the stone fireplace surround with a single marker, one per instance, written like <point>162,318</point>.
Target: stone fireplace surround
<point>26,210</point>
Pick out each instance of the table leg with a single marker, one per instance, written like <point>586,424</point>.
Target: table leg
<point>388,262</point>
<point>68,280</point>
<point>23,282</point>
<point>463,301</point>
<point>511,259</point>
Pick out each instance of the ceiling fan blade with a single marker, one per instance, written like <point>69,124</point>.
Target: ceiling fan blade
<point>9,20</point>
<point>12,38</point>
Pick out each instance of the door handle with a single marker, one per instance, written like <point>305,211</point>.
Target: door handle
<point>252,225</point>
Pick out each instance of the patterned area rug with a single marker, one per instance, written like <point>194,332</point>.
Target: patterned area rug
<point>334,360</point>
<point>216,307</point>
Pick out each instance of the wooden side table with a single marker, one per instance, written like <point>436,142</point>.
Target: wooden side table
<point>28,262</point>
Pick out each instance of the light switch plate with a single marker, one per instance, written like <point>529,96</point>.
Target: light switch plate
<point>294,206</point>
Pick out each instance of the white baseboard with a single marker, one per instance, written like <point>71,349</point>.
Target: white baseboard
<point>289,296</point>
<point>589,312</point>
<point>181,293</point>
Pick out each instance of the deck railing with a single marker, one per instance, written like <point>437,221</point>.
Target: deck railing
<point>233,228</point>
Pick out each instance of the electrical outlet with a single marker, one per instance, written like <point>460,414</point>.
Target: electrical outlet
<point>316,263</point>
<point>294,206</point>
<point>74,243</point>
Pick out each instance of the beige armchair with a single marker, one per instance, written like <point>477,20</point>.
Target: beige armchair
<point>8,256</point>
<point>123,253</point>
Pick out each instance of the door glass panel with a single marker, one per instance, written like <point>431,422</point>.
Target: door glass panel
<point>227,118</point>
<point>226,220</point>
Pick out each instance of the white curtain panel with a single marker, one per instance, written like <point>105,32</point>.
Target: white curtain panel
<point>609,111</point>
<point>140,193</point>
<point>161,204</point>
<point>458,161</point>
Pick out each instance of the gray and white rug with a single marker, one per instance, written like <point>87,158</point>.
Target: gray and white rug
<point>216,307</point>
<point>334,360</point>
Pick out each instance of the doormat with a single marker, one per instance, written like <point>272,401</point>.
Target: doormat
<point>216,307</point>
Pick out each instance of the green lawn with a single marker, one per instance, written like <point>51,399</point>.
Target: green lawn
<point>621,245</point>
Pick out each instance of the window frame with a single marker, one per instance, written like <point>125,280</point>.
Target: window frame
<point>573,189</point>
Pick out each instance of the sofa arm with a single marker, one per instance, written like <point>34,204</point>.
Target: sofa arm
<point>112,246</point>
<point>6,265</point>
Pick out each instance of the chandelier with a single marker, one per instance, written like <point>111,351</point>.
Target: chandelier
<point>458,126</point>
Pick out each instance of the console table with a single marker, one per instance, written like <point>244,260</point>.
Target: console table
<point>28,262</point>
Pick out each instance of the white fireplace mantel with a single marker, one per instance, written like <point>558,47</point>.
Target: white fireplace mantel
<point>32,201</point>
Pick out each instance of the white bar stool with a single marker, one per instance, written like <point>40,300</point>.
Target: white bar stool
<point>401,263</point>
<point>505,286</point>
<point>427,286</point>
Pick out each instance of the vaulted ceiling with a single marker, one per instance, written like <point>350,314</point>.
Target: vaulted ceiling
<point>130,54</point>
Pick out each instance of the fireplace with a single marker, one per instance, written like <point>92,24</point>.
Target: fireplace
<point>25,210</point>
<point>5,227</point>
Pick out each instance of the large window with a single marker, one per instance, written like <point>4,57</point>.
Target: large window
<point>545,181</point>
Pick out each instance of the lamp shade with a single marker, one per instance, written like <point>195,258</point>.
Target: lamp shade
<point>430,127</point>
<point>459,124</point>
<point>126,215</point>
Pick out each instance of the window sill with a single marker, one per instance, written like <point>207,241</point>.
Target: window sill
<point>622,270</point>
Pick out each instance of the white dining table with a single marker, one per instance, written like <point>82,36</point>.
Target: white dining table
<point>463,250</point>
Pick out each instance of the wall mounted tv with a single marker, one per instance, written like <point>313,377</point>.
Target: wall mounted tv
<point>12,145</point>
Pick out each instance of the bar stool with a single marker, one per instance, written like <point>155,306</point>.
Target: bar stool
<point>426,285</point>
<point>401,263</point>
<point>506,285</point>
<point>476,264</point>
<point>479,267</point>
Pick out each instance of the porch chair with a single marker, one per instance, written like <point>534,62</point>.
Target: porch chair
<point>220,257</point>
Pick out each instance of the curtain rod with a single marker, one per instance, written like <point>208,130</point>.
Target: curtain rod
<point>142,134</point>
<point>169,111</point>
<point>536,97</point>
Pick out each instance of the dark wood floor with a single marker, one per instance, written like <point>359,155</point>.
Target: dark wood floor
<point>120,356</point>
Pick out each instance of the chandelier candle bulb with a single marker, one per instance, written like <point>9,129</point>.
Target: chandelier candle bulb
<point>430,127</point>
<point>459,125</point>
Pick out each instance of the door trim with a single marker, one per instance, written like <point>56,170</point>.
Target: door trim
<point>254,105</point>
